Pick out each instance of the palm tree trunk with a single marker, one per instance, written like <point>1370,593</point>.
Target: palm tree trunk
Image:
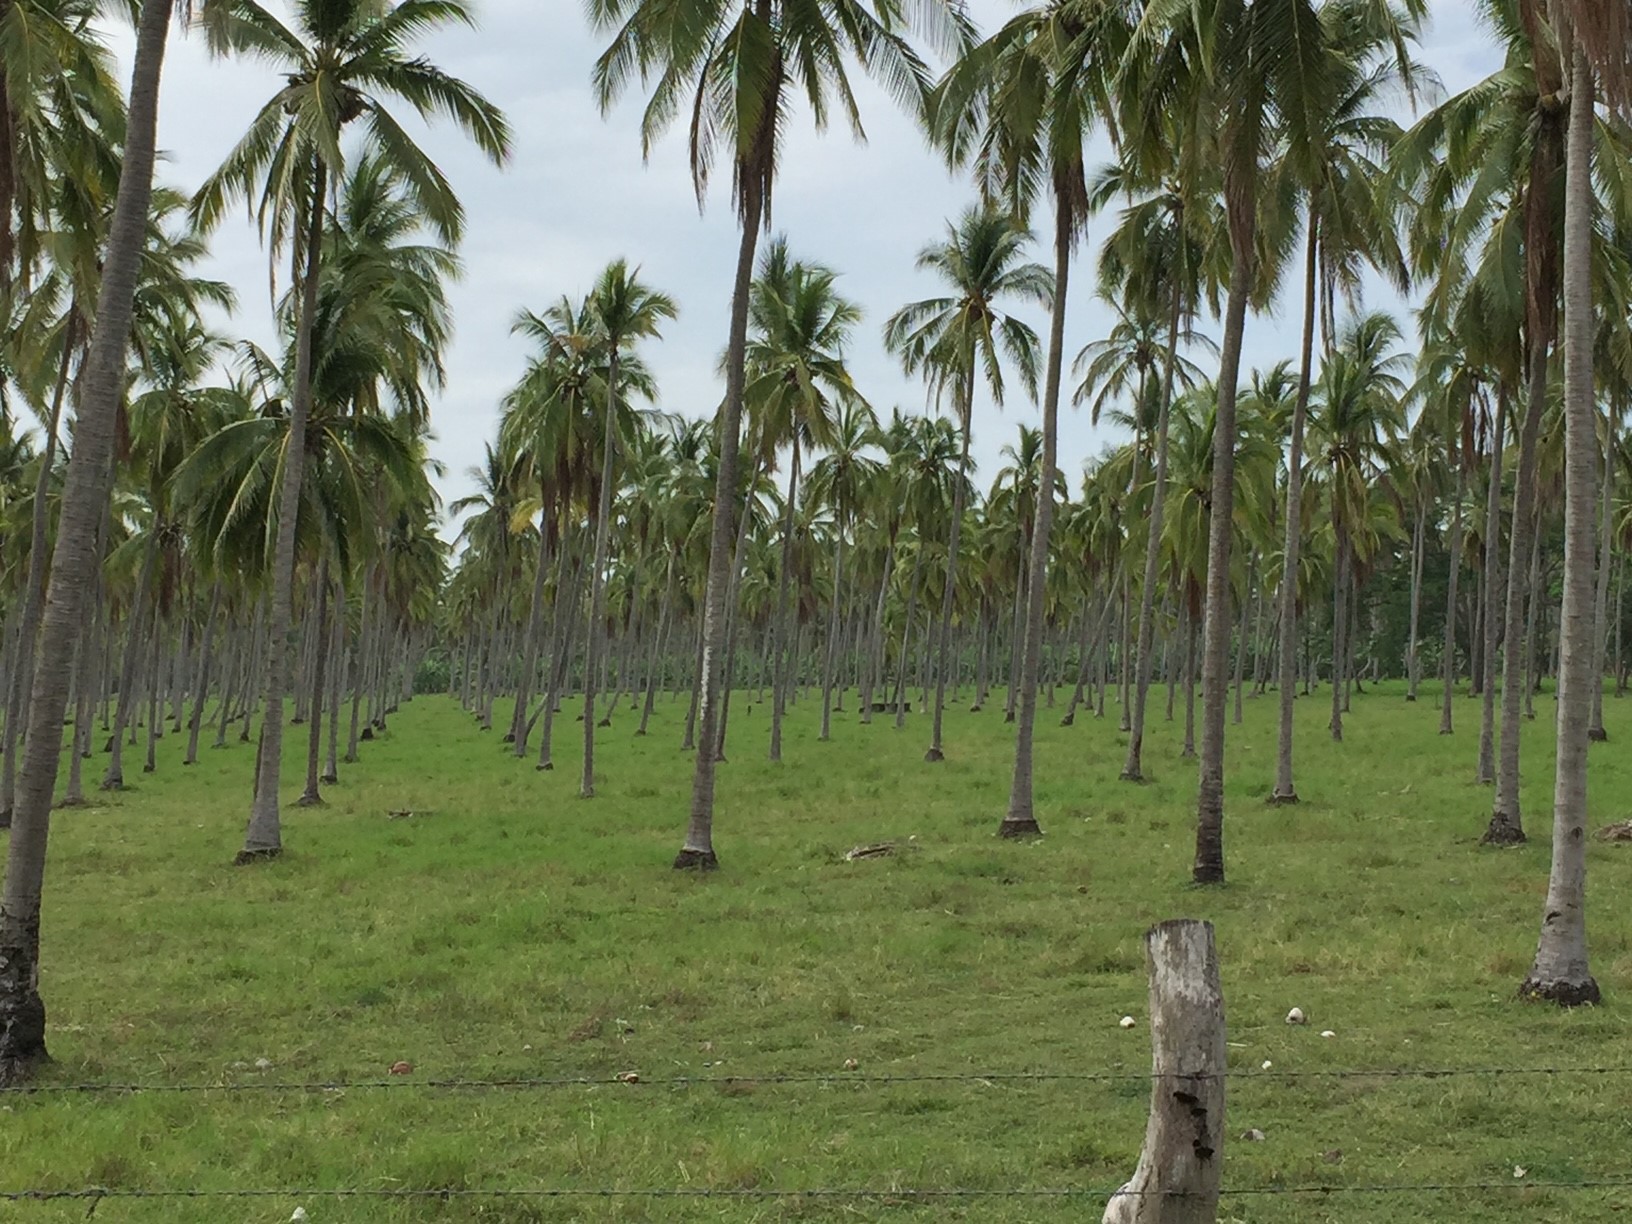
<point>263,838</point>
<point>201,686</point>
<point>1532,628</point>
<point>155,694</point>
<point>834,626</point>
<point>697,851</point>
<point>954,540</point>
<point>1600,603</point>
<point>1340,629</point>
<point>1133,767</point>
<point>74,561</point>
<point>1486,771</point>
<point>780,677</point>
<point>114,779</point>
<point>1241,642</point>
<point>1506,826</point>
<point>904,660</point>
<point>1419,532</point>
<point>1021,818</point>
<point>1188,628</point>
<point>321,633</point>
<point>22,670</point>
<point>1448,658</point>
<point>1560,972</point>
<point>519,723</point>
<point>1286,790</point>
<point>594,643</point>
<point>1215,656</point>
<point>340,655</point>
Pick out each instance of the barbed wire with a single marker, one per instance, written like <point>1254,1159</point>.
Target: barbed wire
<point>858,1079</point>
<point>95,1194</point>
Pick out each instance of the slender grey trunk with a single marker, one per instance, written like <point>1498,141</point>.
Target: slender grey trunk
<point>74,561</point>
<point>1560,972</point>
<point>1021,818</point>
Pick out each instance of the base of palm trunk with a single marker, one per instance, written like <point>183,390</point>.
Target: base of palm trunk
<point>1008,717</point>
<point>113,784</point>
<point>310,799</point>
<point>246,858</point>
<point>1410,696</point>
<point>1069,720</point>
<point>1207,875</point>
<point>696,860</point>
<point>1504,830</point>
<point>1283,799</point>
<point>545,767</point>
<point>605,722</point>
<point>67,801</point>
<point>22,1039</point>
<point>1563,993</point>
<point>1598,735</point>
<point>934,755</point>
<point>367,733</point>
<point>1024,827</point>
<point>639,731</point>
<point>329,779</point>
<point>509,738</point>
<point>1132,774</point>
<point>975,709</point>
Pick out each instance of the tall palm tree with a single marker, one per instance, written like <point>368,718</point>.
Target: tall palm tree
<point>74,560</point>
<point>1560,972</point>
<point>954,340</point>
<point>341,60</point>
<point>626,311</point>
<point>1347,223</point>
<point>1258,66</point>
<point>797,380</point>
<point>735,67</point>
<point>1355,428</point>
<point>1020,107</point>
<point>843,479</point>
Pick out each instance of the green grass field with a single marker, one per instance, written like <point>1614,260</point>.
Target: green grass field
<point>509,929</point>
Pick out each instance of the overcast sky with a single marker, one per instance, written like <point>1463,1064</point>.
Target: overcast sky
<point>577,194</point>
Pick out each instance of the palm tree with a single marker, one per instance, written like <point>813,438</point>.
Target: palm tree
<point>626,311</point>
<point>1560,971</point>
<point>952,340</point>
<point>1158,261</point>
<point>1356,427</point>
<point>340,61</point>
<point>1347,223</point>
<point>842,479</point>
<point>74,560</point>
<point>1259,66</point>
<point>796,382</point>
<point>1021,106</point>
<point>734,67</point>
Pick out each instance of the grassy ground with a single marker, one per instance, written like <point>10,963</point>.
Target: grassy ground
<point>510,929</point>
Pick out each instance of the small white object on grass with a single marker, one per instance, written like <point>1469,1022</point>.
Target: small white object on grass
<point>1327,1033</point>
<point>1254,1135</point>
<point>263,1064</point>
<point>1296,1016</point>
<point>1267,1064</point>
<point>1519,1170</point>
<point>1128,1021</point>
<point>300,1214</point>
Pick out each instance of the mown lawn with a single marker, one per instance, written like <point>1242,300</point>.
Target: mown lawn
<point>510,930</point>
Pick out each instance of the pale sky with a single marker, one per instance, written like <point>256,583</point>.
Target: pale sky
<point>577,194</point>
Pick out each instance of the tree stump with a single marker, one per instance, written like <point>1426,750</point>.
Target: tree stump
<point>1181,1167</point>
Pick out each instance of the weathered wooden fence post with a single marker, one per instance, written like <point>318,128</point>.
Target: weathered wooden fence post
<point>1181,1167</point>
